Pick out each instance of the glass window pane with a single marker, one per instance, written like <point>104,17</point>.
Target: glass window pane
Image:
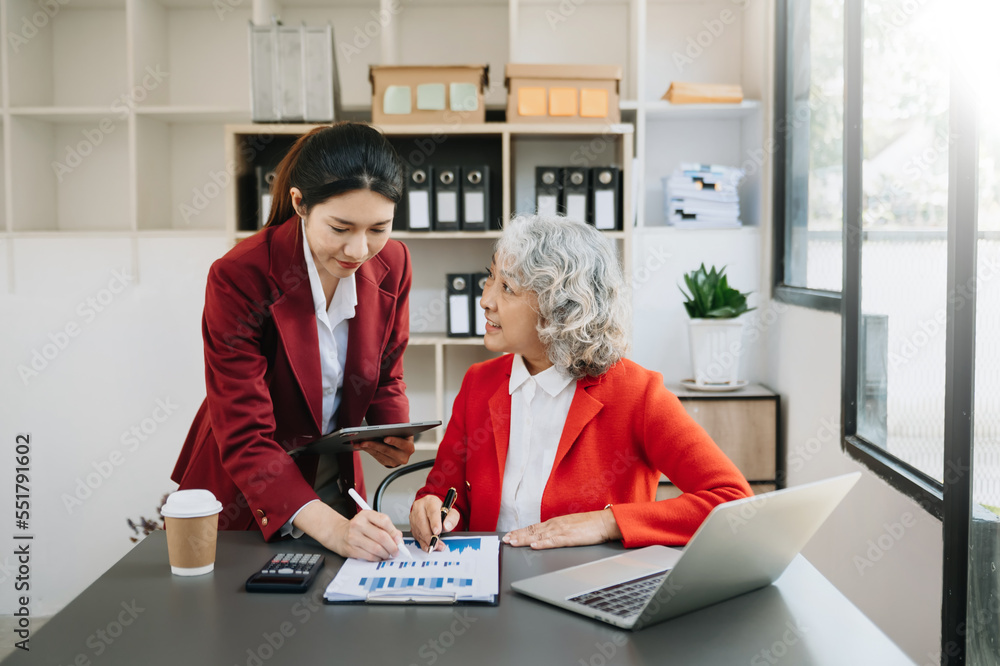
<point>986,446</point>
<point>905,219</point>
<point>983,643</point>
<point>815,130</point>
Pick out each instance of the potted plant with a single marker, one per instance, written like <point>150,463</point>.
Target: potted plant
<point>716,328</point>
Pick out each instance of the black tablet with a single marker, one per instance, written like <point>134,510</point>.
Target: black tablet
<point>342,441</point>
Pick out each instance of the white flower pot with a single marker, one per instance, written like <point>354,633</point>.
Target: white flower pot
<point>716,347</point>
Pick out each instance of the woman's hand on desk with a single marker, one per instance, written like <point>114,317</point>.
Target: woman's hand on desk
<point>575,529</point>
<point>391,452</point>
<point>368,536</point>
<point>425,521</point>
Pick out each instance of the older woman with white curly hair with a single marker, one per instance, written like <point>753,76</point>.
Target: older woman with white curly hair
<point>562,440</point>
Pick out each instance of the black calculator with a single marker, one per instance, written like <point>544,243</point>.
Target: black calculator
<point>286,572</point>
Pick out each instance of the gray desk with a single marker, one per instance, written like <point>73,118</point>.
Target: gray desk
<point>209,619</point>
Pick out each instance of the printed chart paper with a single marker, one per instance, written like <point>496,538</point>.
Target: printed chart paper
<point>467,570</point>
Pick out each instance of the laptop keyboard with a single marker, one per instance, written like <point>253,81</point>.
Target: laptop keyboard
<point>623,599</point>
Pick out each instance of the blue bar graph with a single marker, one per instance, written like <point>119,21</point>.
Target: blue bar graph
<point>398,583</point>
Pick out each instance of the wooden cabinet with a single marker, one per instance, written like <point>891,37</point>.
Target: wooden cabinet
<point>744,424</point>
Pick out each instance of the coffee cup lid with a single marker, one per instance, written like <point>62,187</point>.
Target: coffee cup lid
<point>193,503</point>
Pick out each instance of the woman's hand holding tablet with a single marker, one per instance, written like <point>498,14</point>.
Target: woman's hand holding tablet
<point>346,440</point>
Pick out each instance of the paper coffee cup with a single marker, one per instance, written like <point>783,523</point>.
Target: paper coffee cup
<point>192,522</point>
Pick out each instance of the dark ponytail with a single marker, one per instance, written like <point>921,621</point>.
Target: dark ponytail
<point>332,160</point>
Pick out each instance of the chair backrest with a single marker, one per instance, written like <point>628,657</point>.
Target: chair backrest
<point>379,500</point>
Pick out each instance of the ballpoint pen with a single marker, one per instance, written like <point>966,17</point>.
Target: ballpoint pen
<point>364,505</point>
<point>449,501</point>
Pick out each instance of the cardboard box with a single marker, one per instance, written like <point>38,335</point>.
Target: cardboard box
<point>417,94</point>
<point>563,93</point>
<point>703,93</point>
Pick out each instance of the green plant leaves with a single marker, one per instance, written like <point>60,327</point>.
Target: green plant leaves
<point>710,295</point>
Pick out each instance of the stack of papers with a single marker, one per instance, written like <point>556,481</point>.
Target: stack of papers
<point>468,570</point>
<point>703,196</point>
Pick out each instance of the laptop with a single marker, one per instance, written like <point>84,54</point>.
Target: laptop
<point>741,546</point>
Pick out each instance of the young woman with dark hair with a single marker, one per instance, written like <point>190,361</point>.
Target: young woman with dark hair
<point>305,324</point>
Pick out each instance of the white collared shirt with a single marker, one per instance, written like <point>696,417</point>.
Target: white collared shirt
<point>539,406</point>
<point>331,328</point>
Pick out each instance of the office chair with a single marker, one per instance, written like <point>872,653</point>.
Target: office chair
<point>395,474</point>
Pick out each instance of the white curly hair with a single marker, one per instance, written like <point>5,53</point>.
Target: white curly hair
<point>583,309</point>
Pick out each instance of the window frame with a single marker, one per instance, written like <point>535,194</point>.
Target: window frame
<point>902,476</point>
<point>817,299</point>
<point>950,501</point>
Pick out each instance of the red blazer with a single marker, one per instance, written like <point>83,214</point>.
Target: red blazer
<point>623,429</point>
<point>263,377</point>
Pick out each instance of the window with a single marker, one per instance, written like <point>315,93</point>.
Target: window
<point>809,252</point>
<point>904,219</point>
<point>920,257</point>
<point>920,250</point>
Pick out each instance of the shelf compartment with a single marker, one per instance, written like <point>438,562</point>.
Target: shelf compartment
<point>194,114</point>
<point>427,34</point>
<point>357,37</point>
<point>4,220</point>
<point>46,66</point>
<point>418,33</point>
<point>661,109</point>
<point>182,179</point>
<point>203,48</point>
<point>6,265</point>
<point>462,150</point>
<point>431,263</point>
<point>258,145</point>
<point>432,339</point>
<point>64,169</point>
<point>590,150</point>
<point>72,114</point>
<point>732,141</point>
<point>419,374</point>
<point>701,45</point>
<point>444,235</point>
<point>434,366</point>
<point>576,34</point>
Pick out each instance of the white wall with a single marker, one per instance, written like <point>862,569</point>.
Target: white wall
<point>108,371</point>
<point>898,586</point>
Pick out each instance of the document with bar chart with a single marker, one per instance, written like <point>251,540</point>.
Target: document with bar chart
<point>468,570</point>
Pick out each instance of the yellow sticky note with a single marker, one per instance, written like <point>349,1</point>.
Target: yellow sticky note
<point>593,103</point>
<point>562,101</point>
<point>531,101</point>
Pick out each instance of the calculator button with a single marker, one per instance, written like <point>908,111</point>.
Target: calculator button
<point>286,570</point>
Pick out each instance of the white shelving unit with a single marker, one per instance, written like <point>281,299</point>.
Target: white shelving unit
<point>434,362</point>
<point>109,101</point>
<point>114,117</point>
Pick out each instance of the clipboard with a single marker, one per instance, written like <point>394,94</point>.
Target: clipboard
<point>410,597</point>
<point>342,441</point>
<point>390,599</point>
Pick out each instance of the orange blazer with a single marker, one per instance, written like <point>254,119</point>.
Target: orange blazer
<point>623,430</point>
<point>263,377</point>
